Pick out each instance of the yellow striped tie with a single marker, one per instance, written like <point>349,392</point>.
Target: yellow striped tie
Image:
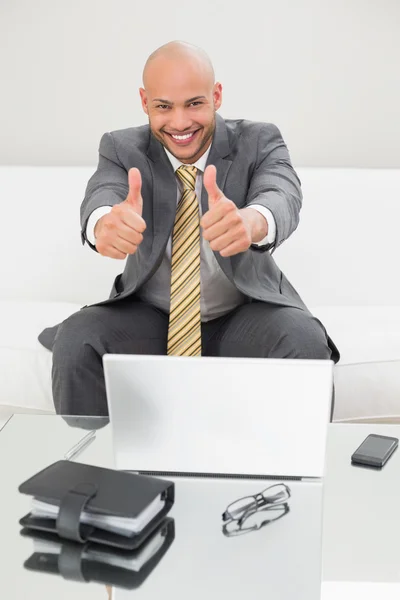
<point>184,330</point>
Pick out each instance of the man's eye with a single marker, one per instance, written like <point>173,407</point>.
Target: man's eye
<point>163,106</point>
<point>196,103</point>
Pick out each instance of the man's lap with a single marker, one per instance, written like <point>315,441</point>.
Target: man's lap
<point>264,330</point>
<point>131,326</point>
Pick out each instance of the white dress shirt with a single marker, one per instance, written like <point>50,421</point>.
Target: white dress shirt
<point>218,295</point>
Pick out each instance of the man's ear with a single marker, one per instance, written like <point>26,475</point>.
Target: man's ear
<point>143,98</point>
<point>217,95</point>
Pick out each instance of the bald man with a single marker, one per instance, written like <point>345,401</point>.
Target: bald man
<point>196,204</point>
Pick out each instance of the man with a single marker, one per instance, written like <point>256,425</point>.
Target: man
<point>197,204</point>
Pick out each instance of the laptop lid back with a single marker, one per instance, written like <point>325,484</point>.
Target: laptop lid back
<point>247,416</point>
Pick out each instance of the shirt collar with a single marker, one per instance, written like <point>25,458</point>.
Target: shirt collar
<point>200,164</point>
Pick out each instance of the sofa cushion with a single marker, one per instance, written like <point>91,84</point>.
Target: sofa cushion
<point>368,391</point>
<point>367,377</point>
<point>25,365</point>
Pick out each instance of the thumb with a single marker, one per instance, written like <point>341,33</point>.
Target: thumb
<point>210,183</point>
<point>134,196</point>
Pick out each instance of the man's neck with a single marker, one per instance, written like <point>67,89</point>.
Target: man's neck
<point>200,163</point>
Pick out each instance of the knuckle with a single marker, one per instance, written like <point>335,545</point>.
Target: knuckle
<point>213,245</point>
<point>115,216</point>
<point>109,225</point>
<point>128,246</point>
<point>230,206</point>
<point>233,219</point>
<point>124,247</point>
<point>105,240</point>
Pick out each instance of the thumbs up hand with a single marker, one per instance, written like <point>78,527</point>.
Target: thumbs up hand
<point>210,183</point>
<point>134,197</point>
<point>227,228</point>
<point>120,232</point>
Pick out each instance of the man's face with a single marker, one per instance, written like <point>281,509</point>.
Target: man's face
<point>180,99</point>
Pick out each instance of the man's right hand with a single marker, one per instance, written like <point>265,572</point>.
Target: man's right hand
<point>120,231</point>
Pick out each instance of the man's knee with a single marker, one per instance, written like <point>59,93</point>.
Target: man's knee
<point>73,339</point>
<point>267,331</point>
<point>301,335</point>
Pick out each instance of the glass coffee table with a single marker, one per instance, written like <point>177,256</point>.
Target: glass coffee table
<point>344,529</point>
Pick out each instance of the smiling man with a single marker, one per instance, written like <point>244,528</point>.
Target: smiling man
<point>196,204</point>
<point>184,124</point>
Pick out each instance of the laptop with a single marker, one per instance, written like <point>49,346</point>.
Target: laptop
<point>246,417</point>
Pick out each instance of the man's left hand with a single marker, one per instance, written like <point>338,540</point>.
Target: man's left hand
<point>228,229</point>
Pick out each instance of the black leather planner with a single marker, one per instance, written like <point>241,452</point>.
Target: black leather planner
<point>75,488</point>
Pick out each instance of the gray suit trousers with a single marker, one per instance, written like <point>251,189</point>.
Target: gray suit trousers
<point>130,326</point>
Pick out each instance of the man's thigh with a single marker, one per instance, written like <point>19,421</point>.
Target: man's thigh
<point>125,327</point>
<point>261,330</point>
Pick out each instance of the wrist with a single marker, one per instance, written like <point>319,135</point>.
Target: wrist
<point>257,223</point>
<point>97,228</point>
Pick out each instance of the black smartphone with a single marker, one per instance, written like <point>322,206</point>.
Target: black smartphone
<point>375,450</point>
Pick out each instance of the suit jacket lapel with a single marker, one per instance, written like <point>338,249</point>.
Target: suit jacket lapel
<point>220,149</point>
<point>164,195</point>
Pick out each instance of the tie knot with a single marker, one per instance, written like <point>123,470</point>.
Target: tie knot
<point>187,174</point>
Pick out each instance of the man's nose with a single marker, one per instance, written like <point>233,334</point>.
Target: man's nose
<point>180,121</point>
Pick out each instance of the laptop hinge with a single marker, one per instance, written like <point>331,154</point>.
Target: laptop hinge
<point>223,475</point>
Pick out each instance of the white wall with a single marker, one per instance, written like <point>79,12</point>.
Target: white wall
<point>323,70</point>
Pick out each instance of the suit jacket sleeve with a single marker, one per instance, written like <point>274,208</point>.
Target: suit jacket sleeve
<point>275,184</point>
<point>107,186</point>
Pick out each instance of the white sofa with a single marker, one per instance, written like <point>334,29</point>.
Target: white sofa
<point>342,259</point>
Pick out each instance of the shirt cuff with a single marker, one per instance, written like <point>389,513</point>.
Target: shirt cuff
<point>94,217</point>
<point>270,237</point>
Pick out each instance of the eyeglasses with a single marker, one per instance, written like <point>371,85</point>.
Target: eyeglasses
<point>274,494</point>
<point>254,520</point>
<point>271,503</point>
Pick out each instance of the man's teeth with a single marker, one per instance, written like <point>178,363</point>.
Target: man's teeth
<point>183,137</point>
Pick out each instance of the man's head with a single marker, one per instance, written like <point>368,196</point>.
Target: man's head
<point>180,97</point>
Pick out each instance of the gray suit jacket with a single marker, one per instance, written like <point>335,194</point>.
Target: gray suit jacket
<point>253,167</point>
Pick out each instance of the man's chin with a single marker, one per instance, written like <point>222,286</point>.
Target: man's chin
<point>183,153</point>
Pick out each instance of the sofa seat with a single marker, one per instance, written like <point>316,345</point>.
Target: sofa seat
<point>25,365</point>
<point>367,378</point>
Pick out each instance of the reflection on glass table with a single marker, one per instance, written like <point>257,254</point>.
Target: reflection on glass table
<point>97,562</point>
<point>256,519</point>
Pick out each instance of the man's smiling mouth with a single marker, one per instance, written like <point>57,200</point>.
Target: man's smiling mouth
<point>183,139</point>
